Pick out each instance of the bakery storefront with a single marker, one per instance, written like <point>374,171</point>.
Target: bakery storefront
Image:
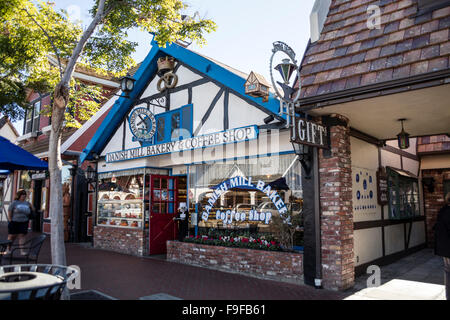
<point>192,159</point>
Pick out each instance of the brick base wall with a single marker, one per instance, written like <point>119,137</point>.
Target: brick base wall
<point>280,266</point>
<point>123,240</point>
<point>434,201</point>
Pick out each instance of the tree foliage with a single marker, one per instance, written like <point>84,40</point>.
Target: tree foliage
<point>32,31</point>
<point>31,36</point>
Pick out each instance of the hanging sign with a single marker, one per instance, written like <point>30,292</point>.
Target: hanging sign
<point>204,141</point>
<point>309,133</point>
<point>39,176</point>
<point>230,215</point>
<point>382,185</point>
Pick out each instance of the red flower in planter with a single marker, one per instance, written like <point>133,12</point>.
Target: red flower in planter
<point>231,240</point>
<point>245,240</point>
<point>273,243</point>
<point>197,237</point>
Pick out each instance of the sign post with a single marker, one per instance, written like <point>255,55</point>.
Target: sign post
<point>306,138</point>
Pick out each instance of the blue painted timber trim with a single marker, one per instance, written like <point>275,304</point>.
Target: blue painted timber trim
<point>146,71</point>
<point>120,109</point>
<point>213,70</point>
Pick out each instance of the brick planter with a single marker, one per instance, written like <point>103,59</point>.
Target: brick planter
<point>272,265</point>
<point>123,240</point>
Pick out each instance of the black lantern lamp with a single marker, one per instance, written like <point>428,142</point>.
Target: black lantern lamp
<point>90,174</point>
<point>304,156</point>
<point>403,137</point>
<point>127,85</point>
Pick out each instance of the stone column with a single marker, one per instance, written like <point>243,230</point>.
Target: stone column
<point>338,271</point>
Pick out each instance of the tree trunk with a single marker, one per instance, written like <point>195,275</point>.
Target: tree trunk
<point>55,165</point>
<point>60,100</point>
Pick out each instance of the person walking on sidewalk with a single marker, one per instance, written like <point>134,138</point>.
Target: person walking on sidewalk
<point>442,240</point>
<point>19,214</point>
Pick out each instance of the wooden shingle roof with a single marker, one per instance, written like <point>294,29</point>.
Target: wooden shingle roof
<point>350,55</point>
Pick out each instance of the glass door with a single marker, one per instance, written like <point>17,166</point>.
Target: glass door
<point>163,209</point>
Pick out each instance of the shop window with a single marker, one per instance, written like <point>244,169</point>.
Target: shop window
<point>403,195</point>
<point>121,198</point>
<point>244,211</point>
<point>174,125</point>
<point>25,180</point>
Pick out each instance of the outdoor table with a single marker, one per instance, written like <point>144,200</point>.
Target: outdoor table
<point>38,281</point>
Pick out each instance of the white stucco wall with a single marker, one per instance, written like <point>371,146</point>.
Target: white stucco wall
<point>8,133</point>
<point>364,169</point>
<point>411,165</point>
<point>367,245</point>
<point>394,238</point>
<point>242,114</point>
<point>417,234</point>
<point>389,159</point>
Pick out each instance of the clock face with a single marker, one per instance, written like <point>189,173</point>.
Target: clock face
<point>142,124</point>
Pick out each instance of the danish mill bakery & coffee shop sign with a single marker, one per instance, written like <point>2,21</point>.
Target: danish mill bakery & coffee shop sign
<point>204,141</point>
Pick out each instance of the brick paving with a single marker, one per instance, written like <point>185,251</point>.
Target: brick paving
<point>128,277</point>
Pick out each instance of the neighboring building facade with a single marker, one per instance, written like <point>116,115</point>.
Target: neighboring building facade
<point>434,155</point>
<point>35,139</point>
<point>365,76</point>
<point>8,131</point>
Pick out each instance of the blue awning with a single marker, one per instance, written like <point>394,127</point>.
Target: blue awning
<point>13,157</point>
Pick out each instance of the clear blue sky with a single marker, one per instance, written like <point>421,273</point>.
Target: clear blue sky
<point>245,32</point>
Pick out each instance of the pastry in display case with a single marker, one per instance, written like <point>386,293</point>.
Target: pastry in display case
<point>120,213</point>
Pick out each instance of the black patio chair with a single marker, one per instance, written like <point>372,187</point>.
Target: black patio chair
<point>26,253</point>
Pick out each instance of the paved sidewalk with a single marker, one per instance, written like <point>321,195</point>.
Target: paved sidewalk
<point>419,276</point>
<point>122,276</point>
<point>106,275</point>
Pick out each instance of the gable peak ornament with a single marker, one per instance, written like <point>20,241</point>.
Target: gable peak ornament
<point>168,79</point>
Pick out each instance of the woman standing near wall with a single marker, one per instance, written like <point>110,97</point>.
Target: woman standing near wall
<point>19,213</point>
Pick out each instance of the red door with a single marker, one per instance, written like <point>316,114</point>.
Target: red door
<point>163,208</point>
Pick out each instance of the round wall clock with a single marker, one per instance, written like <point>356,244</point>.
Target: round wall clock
<point>142,124</point>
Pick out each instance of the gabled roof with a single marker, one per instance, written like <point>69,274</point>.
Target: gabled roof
<point>259,78</point>
<point>5,121</point>
<point>217,72</point>
<point>350,55</point>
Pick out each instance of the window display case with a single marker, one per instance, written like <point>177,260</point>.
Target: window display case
<point>120,213</point>
<point>120,201</point>
<point>123,198</point>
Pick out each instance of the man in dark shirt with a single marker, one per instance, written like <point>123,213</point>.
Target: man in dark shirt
<point>442,240</point>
